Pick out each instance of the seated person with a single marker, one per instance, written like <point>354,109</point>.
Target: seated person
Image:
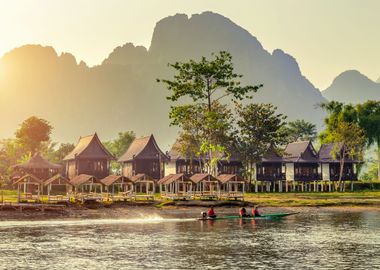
<point>255,212</point>
<point>211,213</point>
<point>243,212</point>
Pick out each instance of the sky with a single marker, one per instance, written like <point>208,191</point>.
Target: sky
<point>326,37</point>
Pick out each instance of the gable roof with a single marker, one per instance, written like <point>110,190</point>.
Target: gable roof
<point>224,178</point>
<point>142,148</point>
<point>172,178</point>
<point>81,179</point>
<point>302,151</point>
<point>89,147</point>
<point>141,177</point>
<point>57,179</point>
<point>37,162</point>
<point>271,156</point>
<point>325,153</point>
<point>198,177</point>
<point>110,179</point>
<point>30,179</point>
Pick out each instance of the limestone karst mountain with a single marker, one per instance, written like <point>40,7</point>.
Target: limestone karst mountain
<point>352,87</point>
<point>122,93</point>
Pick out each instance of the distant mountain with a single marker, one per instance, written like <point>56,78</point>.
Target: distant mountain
<point>378,80</point>
<point>352,87</point>
<point>122,94</point>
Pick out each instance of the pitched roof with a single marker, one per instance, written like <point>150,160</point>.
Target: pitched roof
<point>325,153</point>
<point>172,178</point>
<point>89,147</point>
<point>302,151</point>
<point>142,148</point>
<point>224,178</point>
<point>198,177</point>
<point>81,179</point>
<point>140,176</point>
<point>110,179</point>
<point>271,156</point>
<point>30,179</point>
<point>37,162</point>
<point>57,179</point>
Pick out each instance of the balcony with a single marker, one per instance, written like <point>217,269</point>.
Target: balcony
<point>270,177</point>
<point>309,177</point>
<point>345,176</point>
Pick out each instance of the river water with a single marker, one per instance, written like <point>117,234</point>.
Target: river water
<point>317,239</point>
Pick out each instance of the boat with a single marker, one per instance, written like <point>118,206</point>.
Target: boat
<point>264,216</point>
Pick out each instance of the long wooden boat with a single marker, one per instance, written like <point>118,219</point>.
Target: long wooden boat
<point>264,216</point>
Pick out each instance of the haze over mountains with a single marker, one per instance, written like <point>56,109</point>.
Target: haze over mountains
<point>122,93</point>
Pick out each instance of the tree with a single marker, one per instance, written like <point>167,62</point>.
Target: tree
<point>206,83</point>
<point>118,146</point>
<point>57,156</point>
<point>349,141</point>
<point>259,128</point>
<point>300,130</point>
<point>369,120</point>
<point>33,132</point>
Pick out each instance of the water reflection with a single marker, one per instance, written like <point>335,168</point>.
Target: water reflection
<point>318,240</point>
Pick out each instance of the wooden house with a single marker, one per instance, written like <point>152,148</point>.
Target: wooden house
<point>206,186</point>
<point>232,186</point>
<point>29,187</point>
<point>232,165</point>
<point>271,167</point>
<point>144,157</point>
<point>88,157</point>
<point>85,183</point>
<point>176,186</point>
<point>301,162</point>
<point>117,184</point>
<point>330,166</point>
<point>58,184</point>
<point>178,163</point>
<point>38,167</point>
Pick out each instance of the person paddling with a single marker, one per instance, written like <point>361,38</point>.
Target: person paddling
<point>211,212</point>
<point>255,212</point>
<point>243,212</point>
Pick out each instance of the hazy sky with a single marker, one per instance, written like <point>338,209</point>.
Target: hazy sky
<point>325,36</point>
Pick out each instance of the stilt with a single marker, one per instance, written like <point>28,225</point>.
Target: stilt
<point>286,186</point>
<point>256,187</point>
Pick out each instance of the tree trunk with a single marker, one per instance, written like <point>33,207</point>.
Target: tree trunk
<point>378,160</point>
<point>341,170</point>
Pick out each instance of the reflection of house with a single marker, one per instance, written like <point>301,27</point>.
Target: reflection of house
<point>143,157</point>
<point>270,168</point>
<point>301,161</point>
<point>331,165</point>
<point>88,157</point>
<point>37,166</point>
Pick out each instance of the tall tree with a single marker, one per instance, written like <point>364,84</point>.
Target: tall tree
<point>259,130</point>
<point>205,82</point>
<point>300,130</point>
<point>349,141</point>
<point>33,132</point>
<point>369,120</point>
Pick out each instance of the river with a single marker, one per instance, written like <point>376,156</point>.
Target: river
<point>313,239</point>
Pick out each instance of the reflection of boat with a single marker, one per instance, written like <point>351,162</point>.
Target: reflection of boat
<point>264,216</point>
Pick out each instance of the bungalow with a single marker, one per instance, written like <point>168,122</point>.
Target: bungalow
<point>143,157</point>
<point>88,157</point>
<point>271,167</point>
<point>331,165</point>
<point>301,162</point>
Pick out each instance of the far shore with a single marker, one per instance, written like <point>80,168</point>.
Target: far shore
<point>272,202</point>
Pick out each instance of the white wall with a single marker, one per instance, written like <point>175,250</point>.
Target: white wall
<point>170,168</point>
<point>325,171</point>
<point>289,171</point>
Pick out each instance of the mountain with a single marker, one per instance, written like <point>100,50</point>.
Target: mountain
<point>122,93</point>
<point>352,87</point>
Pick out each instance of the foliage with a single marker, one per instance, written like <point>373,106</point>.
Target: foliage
<point>259,130</point>
<point>57,156</point>
<point>119,146</point>
<point>206,121</point>
<point>33,132</point>
<point>299,130</point>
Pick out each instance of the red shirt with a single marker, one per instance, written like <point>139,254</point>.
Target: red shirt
<point>242,212</point>
<point>211,212</point>
<point>255,213</point>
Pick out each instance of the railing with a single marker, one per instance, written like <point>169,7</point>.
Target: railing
<point>310,177</point>
<point>270,177</point>
<point>345,176</point>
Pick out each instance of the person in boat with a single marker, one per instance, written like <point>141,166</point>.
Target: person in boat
<point>211,212</point>
<point>243,212</point>
<point>255,212</point>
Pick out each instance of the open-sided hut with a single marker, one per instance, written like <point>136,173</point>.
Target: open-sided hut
<point>144,186</point>
<point>29,187</point>
<point>231,186</point>
<point>88,157</point>
<point>58,184</point>
<point>115,184</point>
<point>38,167</point>
<point>176,186</point>
<point>178,163</point>
<point>331,166</point>
<point>301,161</point>
<point>207,186</point>
<point>143,157</point>
<point>85,183</point>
